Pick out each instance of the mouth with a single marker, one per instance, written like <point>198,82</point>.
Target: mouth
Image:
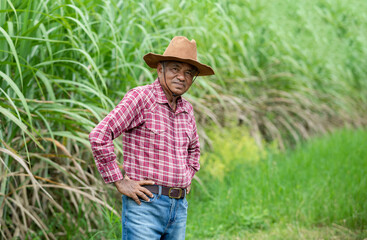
<point>179,84</point>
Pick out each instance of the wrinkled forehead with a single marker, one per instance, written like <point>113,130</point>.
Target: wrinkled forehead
<point>181,65</point>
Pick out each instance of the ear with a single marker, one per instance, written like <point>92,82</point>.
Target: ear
<point>159,68</point>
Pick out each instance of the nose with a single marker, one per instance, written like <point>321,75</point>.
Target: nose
<point>181,76</point>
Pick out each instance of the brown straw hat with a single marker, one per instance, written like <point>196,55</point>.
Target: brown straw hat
<point>182,50</point>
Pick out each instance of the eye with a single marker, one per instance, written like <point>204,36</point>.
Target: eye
<point>189,74</point>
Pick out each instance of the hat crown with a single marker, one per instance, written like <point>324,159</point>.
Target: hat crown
<point>181,47</point>
<point>182,50</point>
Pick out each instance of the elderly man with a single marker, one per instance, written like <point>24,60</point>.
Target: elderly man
<point>160,146</point>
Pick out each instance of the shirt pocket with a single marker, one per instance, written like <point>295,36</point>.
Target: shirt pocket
<point>183,139</point>
<point>155,126</point>
<point>156,131</point>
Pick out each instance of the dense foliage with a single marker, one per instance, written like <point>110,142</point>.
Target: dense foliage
<point>285,70</point>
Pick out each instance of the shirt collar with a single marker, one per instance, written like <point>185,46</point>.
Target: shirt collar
<point>159,93</point>
<point>161,97</point>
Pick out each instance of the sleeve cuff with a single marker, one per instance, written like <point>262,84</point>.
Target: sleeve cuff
<point>110,172</point>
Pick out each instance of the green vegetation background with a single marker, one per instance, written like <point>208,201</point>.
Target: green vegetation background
<point>285,71</point>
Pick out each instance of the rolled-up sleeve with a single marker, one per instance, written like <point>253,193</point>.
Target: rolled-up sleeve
<point>126,115</point>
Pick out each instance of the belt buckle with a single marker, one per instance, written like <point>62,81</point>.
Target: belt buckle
<point>169,193</point>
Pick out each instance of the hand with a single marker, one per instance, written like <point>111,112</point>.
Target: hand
<point>133,189</point>
<point>188,189</point>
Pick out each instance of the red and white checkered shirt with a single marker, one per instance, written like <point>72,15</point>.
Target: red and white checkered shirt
<point>158,143</point>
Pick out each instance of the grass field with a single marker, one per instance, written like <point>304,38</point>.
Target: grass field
<point>316,191</point>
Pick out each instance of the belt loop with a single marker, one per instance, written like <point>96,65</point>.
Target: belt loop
<point>159,190</point>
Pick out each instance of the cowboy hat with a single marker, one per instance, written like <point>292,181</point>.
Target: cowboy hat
<point>182,50</point>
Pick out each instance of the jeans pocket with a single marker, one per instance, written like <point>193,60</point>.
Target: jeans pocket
<point>185,202</point>
<point>151,199</point>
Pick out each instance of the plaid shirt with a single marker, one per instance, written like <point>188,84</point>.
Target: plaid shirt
<point>158,143</point>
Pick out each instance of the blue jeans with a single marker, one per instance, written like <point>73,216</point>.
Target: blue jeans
<point>160,218</point>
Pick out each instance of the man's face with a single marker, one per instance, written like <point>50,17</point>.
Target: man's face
<point>179,76</point>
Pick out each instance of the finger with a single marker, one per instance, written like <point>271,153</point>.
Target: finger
<point>136,199</point>
<point>146,182</point>
<point>143,196</point>
<point>146,191</point>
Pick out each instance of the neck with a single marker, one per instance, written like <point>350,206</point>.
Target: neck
<point>171,97</point>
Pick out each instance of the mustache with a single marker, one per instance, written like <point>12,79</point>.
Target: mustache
<point>179,82</point>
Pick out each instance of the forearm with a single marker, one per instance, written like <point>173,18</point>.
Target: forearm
<point>193,151</point>
<point>193,162</point>
<point>103,151</point>
<point>125,115</point>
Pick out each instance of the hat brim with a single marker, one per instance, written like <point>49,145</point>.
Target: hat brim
<point>153,59</point>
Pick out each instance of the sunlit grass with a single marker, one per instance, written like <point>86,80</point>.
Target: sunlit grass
<point>318,187</point>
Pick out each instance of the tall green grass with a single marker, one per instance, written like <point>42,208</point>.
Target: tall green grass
<point>315,191</point>
<point>317,186</point>
<point>285,69</point>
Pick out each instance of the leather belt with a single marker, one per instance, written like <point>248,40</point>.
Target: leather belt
<point>173,192</point>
